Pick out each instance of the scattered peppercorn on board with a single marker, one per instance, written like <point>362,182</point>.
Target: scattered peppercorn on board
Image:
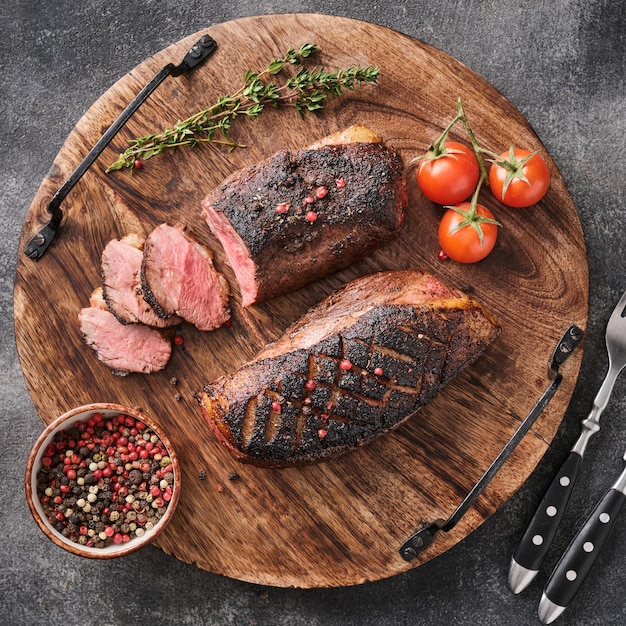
<point>340,522</point>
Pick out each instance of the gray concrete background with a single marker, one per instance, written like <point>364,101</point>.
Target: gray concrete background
<point>562,63</point>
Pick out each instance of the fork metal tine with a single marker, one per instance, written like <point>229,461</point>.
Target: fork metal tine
<point>619,311</point>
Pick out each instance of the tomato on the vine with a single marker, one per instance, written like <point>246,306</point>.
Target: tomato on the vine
<point>467,235</point>
<point>448,174</point>
<point>519,178</point>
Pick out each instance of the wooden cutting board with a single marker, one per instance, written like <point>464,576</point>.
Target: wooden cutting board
<point>340,522</point>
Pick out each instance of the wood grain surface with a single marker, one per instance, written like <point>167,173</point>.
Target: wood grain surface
<point>340,522</point>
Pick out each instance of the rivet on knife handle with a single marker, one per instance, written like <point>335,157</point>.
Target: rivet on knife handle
<point>421,539</point>
<point>534,544</point>
<point>38,244</point>
<point>578,559</point>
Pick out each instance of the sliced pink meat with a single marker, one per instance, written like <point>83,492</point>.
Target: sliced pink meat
<point>121,283</point>
<point>124,348</point>
<point>178,278</point>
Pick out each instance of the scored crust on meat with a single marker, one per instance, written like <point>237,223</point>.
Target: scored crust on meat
<point>178,278</point>
<point>121,283</point>
<point>301,215</point>
<point>353,368</point>
<point>124,348</point>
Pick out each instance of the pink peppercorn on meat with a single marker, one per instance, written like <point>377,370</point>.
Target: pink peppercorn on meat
<point>353,368</point>
<point>300,215</point>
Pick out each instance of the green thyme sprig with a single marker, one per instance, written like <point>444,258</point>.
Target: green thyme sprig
<point>306,91</point>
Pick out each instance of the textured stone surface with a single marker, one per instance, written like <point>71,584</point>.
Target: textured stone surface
<point>562,63</point>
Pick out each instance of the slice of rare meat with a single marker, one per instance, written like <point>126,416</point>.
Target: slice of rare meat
<point>121,283</point>
<point>124,348</point>
<point>178,278</point>
<point>300,215</point>
<point>353,368</point>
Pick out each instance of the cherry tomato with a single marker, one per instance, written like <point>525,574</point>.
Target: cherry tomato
<point>519,178</point>
<point>450,176</point>
<point>459,233</point>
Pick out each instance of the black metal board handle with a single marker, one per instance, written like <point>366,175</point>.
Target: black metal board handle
<point>422,538</point>
<point>38,244</point>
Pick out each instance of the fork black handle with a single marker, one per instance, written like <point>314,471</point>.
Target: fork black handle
<point>539,534</point>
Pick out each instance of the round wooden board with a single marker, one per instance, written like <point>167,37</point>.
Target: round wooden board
<point>340,522</point>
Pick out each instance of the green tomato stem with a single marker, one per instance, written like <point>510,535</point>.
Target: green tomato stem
<point>471,217</point>
<point>475,146</point>
<point>437,147</point>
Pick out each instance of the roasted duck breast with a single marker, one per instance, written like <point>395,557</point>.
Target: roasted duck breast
<point>353,368</point>
<point>300,215</point>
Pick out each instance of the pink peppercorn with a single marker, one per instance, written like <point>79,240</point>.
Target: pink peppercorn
<point>321,192</point>
<point>310,385</point>
<point>155,490</point>
<point>321,433</point>
<point>311,216</point>
<point>309,200</point>
<point>345,364</point>
<point>276,407</point>
<point>283,207</point>
<point>378,371</point>
<point>341,183</point>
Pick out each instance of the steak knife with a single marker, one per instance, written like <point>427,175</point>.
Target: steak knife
<point>577,561</point>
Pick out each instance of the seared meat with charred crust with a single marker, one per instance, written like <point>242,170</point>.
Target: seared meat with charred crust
<point>353,368</point>
<point>301,215</point>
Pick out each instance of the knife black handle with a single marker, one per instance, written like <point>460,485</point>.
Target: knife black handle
<point>538,536</point>
<point>577,560</point>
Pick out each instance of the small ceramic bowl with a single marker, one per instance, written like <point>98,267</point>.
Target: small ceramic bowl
<point>115,540</point>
